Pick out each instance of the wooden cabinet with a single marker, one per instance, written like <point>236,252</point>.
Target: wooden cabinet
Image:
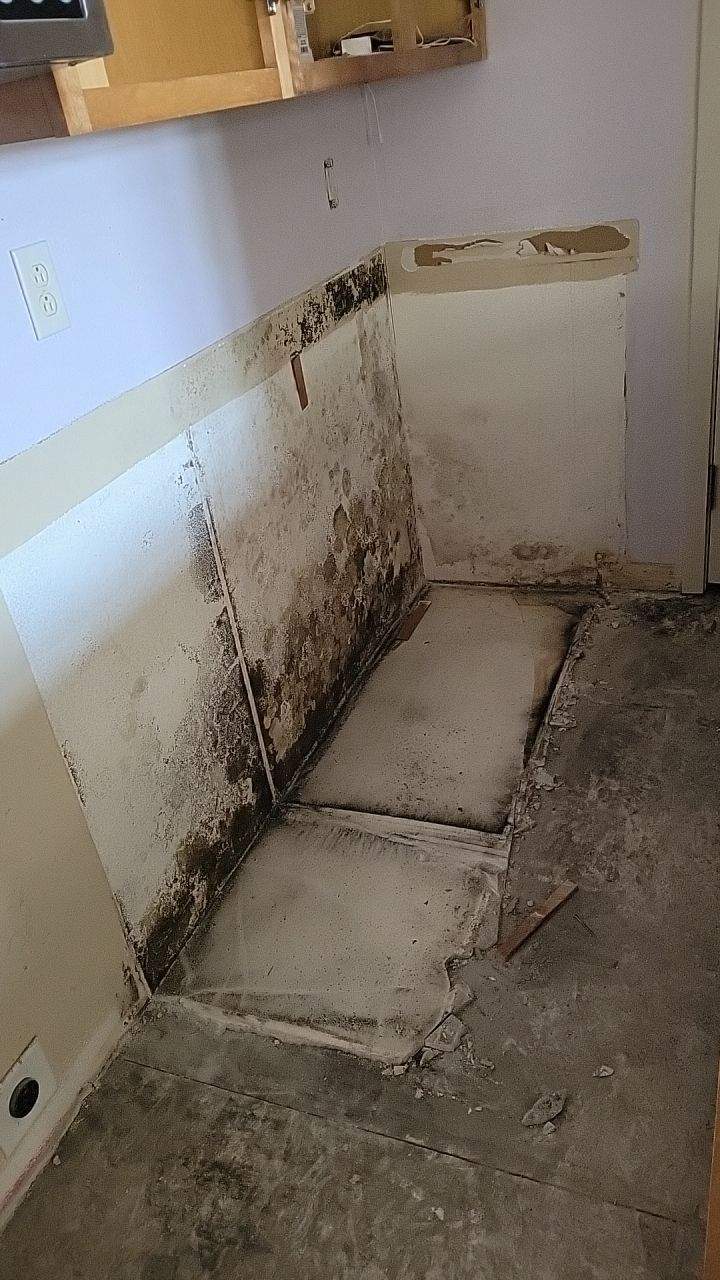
<point>176,58</point>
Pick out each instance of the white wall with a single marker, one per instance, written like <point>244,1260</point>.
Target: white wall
<point>166,239</point>
<point>584,111</point>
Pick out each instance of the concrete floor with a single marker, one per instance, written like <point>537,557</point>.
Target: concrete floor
<point>208,1152</point>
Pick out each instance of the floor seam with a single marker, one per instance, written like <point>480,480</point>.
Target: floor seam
<point>407,1142</point>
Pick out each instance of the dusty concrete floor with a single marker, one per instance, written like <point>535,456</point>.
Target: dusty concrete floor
<point>210,1153</point>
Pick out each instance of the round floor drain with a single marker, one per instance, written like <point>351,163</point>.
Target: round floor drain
<point>23,1098</point>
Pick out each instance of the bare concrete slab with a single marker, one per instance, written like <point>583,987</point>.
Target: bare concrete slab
<point>335,934</point>
<point>438,733</point>
<point>164,1179</point>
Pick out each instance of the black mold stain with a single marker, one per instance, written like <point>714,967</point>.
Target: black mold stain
<point>74,772</point>
<point>220,736</point>
<point>203,558</point>
<point>360,287</point>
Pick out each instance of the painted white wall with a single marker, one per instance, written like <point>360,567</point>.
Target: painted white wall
<point>584,111</point>
<point>167,238</point>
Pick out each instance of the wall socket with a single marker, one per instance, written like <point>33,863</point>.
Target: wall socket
<point>41,289</point>
<point>28,1085</point>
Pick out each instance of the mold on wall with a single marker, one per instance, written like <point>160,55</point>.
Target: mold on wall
<point>315,517</point>
<point>514,404</point>
<point>269,547</point>
<point>125,624</point>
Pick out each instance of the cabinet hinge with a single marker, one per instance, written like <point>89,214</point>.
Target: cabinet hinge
<point>272,7</point>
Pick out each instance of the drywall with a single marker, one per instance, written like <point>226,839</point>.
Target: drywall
<point>67,975</point>
<point>168,238</point>
<point>515,410</point>
<point>583,112</point>
<point>123,617</point>
<point>315,517</point>
<point>265,536</point>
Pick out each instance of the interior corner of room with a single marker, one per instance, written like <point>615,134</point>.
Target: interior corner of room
<point>359,551</point>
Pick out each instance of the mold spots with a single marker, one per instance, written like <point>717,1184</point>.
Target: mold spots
<point>353,289</point>
<point>531,551</point>
<point>74,771</point>
<point>203,558</point>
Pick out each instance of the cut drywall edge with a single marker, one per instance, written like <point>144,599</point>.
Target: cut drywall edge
<point>505,259</point>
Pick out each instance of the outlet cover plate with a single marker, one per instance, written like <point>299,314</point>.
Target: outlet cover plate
<point>40,289</point>
<point>34,1064</point>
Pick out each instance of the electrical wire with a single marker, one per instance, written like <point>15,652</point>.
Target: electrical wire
<point>385,25</point>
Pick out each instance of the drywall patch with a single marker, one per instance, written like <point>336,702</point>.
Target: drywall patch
<point>500,261</point>
<point>314,513</point>
<point>514,404</point>
<point>121,613</point>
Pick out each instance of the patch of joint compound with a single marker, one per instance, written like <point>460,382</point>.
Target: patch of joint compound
<point>333,936</point>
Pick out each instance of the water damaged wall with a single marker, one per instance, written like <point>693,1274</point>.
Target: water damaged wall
<point>511,354</point>
<point>193,624</point>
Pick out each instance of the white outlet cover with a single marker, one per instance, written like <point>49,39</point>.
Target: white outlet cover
<point>41,289</point>
<point>33,1064</point>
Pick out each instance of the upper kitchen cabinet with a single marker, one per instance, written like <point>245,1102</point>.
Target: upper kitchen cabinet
<point>176,58</point>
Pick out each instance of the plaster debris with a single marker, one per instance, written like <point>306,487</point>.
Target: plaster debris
<point>545,780</point>
<point>512,904</point>
<point>447,1036</point>
<point>56,1161</point>
<point>419,1093</point>
<point>439,1213</point>
<point>547,1108</point>
<point>428,1055</point>
<point>604,1073</point>
<point>489,1066</point>
<point>462,996</point>
<point>549,1128</point>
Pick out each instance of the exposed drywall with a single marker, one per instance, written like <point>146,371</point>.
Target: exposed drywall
<point>67,976</point>
<point>513,400</point>
<point>168,238</point>
<point>582,113</point>
<point>123,601</point>
<point>314,513</point>
<point>123,617</point>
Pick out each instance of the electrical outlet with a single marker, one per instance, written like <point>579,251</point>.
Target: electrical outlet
<point>41,289</point>
<point>28,1085</point>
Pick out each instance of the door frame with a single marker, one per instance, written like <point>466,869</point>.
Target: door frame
<point>704,298</point>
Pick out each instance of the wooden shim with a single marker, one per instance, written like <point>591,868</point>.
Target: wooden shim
<point>412,620</point>
<point>536,918</point>
<point>300,384</point>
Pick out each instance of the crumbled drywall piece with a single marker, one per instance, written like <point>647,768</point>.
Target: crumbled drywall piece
<point>447,1036</point>
<point>547,1108</point>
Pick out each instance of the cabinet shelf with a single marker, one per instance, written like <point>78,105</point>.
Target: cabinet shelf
<point>175,58</point>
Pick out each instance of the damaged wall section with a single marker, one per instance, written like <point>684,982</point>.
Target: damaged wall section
<point>511,355</point>
<point>315,515</point>
<point>134,640</point>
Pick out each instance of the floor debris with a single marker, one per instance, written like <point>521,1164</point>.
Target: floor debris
<point>462,996</point>
<point>603,1073</point>
<point>536,918</point>
<point>549,1128</point>
<point>447,1036</point>
<point>547,1108</point>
